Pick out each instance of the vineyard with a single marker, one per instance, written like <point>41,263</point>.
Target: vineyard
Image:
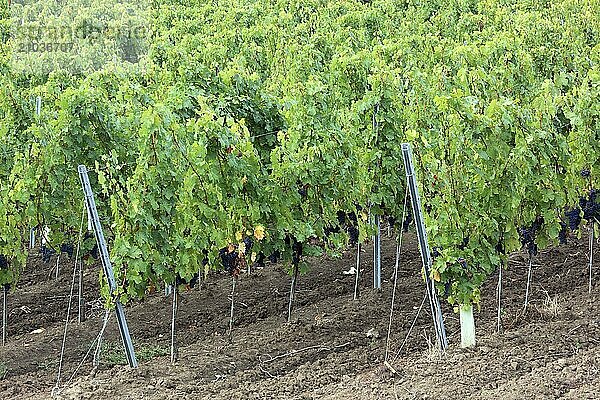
<point>251,137</point>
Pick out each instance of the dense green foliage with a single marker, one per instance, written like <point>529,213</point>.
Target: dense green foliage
<point>247,115</point>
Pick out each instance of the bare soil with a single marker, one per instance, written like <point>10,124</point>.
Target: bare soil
<point>333,349</point>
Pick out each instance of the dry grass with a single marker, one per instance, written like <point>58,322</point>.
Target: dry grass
<point>433,352</point>
<point>551,306</point>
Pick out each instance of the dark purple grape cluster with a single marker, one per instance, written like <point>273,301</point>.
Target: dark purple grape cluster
<point>585,173</point>
<point>464,243</point>
<point>436,252</point>
<point>296,252</point>
<point>4,266</point>
<point>303,190</point>
<point>191,283</point>
<point>353,234</point>
<point>537,224</point>
<point>562,235</point>
<point>47,253</point>
<point>591,209</point>
<point>352,217</point>
<point>447,287</point>
<point>500,247</point>
<point>391,221</point>
<point>68,249</point>
<point>574,217</point>
<point>341,217</point>
<point>352,227</point>
<point>527,238</point>
<point>273,258</point>
<point>194,281</point>
<point>330,230</point>
<point>229,259</point>
<point>260,260</point>
<point>349,223</point>
<point>407,221</point>
<point>95,252</point>
<point>248,242</point>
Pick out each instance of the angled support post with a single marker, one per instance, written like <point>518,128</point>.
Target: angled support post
<point>434,303</point>
<point>106,264</point>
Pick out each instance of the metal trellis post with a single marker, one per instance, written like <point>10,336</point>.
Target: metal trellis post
<point>38,106</point>
<point>106,264</point>
<point>436,310</point>
<point>377,255</point>
<point>4,314</point>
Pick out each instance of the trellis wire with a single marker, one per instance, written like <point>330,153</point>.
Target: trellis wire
<point>591,262</point>
<point>411,327</point>
<point>499,289</point>
<point>528,283</point>
<point>57,267</point>
<point>4,313</point>
<point>377,254</point>
<point>357,271</point>
<point>233,283</point>
<point>292,291</point>
<point>173,316</point>
<point>96,359</point>
<point>64,339</point>
<point>398,248</point>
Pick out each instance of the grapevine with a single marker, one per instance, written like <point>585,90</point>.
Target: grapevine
<point>221,148</point>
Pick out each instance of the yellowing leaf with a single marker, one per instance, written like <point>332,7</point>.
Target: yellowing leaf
<point>259,232</point>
